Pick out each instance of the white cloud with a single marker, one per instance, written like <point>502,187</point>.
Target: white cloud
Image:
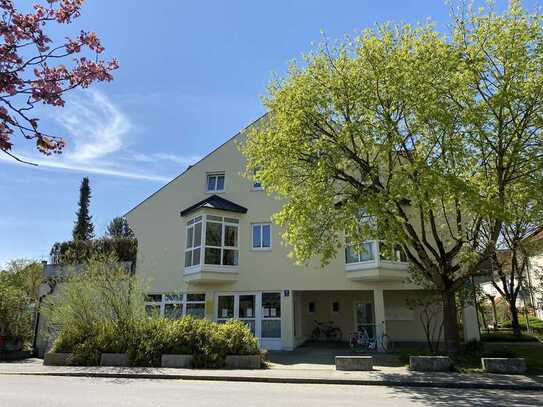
<point>96,133</point>
<point>94,125</point>
<point>70,166</point>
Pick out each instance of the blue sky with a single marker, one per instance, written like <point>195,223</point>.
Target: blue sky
<point>192,74</point>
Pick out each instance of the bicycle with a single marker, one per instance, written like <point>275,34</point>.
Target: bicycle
<point>360,341</point>
<point>327,330</point>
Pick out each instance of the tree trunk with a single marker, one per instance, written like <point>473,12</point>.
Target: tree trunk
<point>514,318</point>
<point>450,323</point>
<point>494,313</point>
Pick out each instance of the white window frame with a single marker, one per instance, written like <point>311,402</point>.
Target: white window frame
<point>216,175</point>
<point>191,224</point>
<point>261,224</point>
<point>183,301</point>
<point>224,222</point>
<point>373,250</point>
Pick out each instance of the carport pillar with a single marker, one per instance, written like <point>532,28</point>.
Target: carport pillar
<point>379,307</point>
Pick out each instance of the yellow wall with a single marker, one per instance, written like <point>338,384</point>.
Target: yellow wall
<point>161,236</point>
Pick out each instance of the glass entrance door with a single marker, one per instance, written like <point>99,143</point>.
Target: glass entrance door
<point>364,319</point>
<point>247,311</point>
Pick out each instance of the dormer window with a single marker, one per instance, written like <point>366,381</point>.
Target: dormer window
<point>215,182</point>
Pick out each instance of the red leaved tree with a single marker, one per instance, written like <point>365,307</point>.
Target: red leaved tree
<point>33,70</point>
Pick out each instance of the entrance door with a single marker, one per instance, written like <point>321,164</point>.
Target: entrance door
<point>247,311</point>
<point>363,317</point>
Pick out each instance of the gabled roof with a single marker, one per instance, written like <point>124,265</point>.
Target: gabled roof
<point>215,202</point>
<point>198,162</point>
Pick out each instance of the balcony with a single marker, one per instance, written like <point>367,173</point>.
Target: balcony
<point>373,263</point>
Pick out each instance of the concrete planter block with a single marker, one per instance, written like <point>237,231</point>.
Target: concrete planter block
<point>504,365</point>
<point>179,361</point>
<point>58,359</point>
<point>114,359</point>
<point>243,362</point>
<point>354,363</point>
<point>430,363</point>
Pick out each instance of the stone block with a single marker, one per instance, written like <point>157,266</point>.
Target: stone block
<point>58,359</point>
<point>243,362</point>
<point>430,363</point>
<point>114,359</point>
<point>357,363</point>
<point>178,361</point>
<point>504,365</point>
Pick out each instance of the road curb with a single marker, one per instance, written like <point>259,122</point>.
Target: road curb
<point>289,380</point>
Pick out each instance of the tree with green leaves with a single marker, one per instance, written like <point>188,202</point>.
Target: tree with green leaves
<point>15,315</point>
<point>516,245</point>
<point>83,228</point>
<point>26,275</point>
<point>410,136</point>
<point>119,228</point>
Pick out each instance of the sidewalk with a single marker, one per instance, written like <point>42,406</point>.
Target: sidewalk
<point>381,376</point>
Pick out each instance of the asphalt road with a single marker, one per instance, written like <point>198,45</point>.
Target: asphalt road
<point>35,391</point>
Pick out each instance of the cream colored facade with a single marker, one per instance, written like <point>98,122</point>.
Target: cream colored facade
<point>307,293</point>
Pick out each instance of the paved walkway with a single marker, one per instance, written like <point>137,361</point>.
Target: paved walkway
<point>278,373</point>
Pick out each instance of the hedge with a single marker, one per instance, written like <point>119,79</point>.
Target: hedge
<point>80,251</point>
<point>146,340</point>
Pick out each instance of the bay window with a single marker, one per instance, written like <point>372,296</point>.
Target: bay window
<point>359,254</point>
<point>217,237</point>
<point>194,242</point>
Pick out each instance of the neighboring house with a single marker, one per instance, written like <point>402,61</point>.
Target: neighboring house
<point>208,247</point>
<point>532,295</point>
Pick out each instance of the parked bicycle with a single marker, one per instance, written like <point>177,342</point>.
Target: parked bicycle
<point>327,331</point>
<point>360,341</point>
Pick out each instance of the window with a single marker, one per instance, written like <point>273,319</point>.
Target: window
<point>394,253</point>
<point>215,182</point>
<point>311,307</point>
<point>359,254</point>
<point>261,236</point>
<point>257,185</point>
<point>335,307</point>
<point>196,305</point>
<point>271,315</point>
<point>221,242</point>
<point>175,306</point>
<point>194,242</point>
<point>225,309</point>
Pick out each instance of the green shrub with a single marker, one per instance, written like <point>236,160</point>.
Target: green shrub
<point>534,322</point>
<point>148,342</point>
<point>507,337</point>
<point>238,339</point>
<point>473,347</point>
<point>500,353</point>
<point>149,338</point>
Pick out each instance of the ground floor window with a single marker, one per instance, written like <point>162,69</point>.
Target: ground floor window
<point>271,315</point>
<point>175,306</point>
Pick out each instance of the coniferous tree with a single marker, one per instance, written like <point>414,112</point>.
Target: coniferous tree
<point>119,228</point>
<point>83,228</point>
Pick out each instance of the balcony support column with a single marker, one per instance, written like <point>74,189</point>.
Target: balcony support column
<point>379,309</point>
